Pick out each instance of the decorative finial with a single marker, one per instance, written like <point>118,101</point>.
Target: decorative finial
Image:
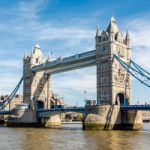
<point>113,19</point>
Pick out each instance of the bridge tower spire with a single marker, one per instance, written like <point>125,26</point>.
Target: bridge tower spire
<point>113,82</point>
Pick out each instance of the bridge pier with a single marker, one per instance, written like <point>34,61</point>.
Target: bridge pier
<point>22,118</point>
<point>131,120</point>
<point>51,121</point>
<point>110,117</point>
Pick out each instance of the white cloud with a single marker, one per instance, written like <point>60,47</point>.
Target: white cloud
<point>140,30</point>
<point>72,85</point>
<point>11,63</point>
<point>25,9</point>
<point>8,82</point>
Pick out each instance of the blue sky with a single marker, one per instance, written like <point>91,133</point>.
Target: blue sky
<point>67,27</point>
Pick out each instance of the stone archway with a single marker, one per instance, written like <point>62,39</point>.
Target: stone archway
<point>120,99</point>
<point>39,104</point>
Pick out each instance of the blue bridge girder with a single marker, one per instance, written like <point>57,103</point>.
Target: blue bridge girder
<point>69,63</point>
<point>7,112</point>
<point>48,112</point>
<point>135,107</point>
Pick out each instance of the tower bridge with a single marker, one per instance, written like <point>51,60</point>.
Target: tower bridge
<point>112,58</point>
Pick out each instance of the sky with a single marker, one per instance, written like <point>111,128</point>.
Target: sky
<point>67,27</point>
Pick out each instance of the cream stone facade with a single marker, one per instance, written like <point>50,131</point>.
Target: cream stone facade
<point>113,81</point>
<point>36,85</point>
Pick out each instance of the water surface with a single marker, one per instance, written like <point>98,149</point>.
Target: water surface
<point>72,137</point>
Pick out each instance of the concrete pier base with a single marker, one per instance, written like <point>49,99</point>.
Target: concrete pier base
<point>22,118</point>
<point>110,117</point>
<point>131,120</point>
<point>52,121</point>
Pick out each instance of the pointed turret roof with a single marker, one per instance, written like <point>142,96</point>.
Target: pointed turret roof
<point>48,58</point>
<point>112,27</point>
<point>31,55</point>
<point>127,36</point>
<point>37,51</point>
<point>98,32</point>
<point>37,46</point>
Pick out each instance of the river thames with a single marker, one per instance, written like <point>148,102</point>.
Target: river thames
<point>72,137</point>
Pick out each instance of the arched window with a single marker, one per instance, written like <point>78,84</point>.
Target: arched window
<point>104,39</point>
<point>37,60</point>
<point>104,48</point>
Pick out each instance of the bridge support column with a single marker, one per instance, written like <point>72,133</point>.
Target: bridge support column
<point>131,120</point>
<point>23,118</point>
<point>110,117</point>
<point>52,121</point>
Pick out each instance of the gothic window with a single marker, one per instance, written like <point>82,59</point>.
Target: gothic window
<point>28,80</point>
<point>104,39</point>
<point>104,66</point>
<point>121,52</point>
<point>26,68</point>
<point>36,60</point>
<point>104,48</point>
<point>103,80</point>
<point>27,91</point>
<point>116,37</point>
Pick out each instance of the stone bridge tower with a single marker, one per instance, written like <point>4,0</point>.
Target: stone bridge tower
<point>113,81</point>
<point>113,84</point>
<point>36,84</point>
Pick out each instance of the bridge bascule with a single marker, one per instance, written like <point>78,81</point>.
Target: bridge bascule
<point>115,68</point>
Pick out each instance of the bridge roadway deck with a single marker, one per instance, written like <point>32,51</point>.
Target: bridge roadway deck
<point>47,112</point>
<point>69,63</point>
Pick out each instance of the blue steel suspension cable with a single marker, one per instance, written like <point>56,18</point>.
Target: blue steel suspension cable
<point>131,72</point>
<point>9,99</point>
<point>139,67</point>
<point>137,71</point>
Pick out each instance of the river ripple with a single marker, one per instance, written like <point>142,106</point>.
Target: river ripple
<point>72,137</point>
